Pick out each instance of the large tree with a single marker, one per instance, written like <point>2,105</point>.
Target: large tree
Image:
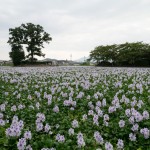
<point>33,36</point>
<point>126,54</point>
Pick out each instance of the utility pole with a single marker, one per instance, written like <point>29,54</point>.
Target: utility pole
<point>71,57</point>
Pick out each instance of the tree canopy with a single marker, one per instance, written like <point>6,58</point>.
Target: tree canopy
<point>126,54</point>
<point>33,36</point>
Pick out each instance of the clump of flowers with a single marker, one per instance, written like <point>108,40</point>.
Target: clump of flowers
<point>145,132</point>
<point>108,146</point>
<point>80,140</point>
<point>60,138</point>
<point>71,131</point>
<point>21,144</point>
<point>120,144</point>
<point>15,128</point>
<point>75,124</point>
<point>98,137</point>
<point>27,135</point>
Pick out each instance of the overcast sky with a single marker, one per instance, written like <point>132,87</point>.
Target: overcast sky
<point>77,26</point>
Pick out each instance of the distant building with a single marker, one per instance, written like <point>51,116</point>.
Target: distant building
<point>5,62</point>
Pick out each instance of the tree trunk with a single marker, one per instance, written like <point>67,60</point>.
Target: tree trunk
<point>32,58</point>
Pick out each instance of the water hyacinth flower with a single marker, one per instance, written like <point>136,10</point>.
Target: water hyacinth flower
<point>132,137</point>
<point>128,112</point>
<point>145,115</point>
<point>21,144</point>
<point>104,102</point>
<point>1,115</point>
<point>90,105</point>
<point>60,138</point>
<point>49,101</point>
<point>98,138</point>
<point>27,135</point>
<point>47,128</point>
<point>121,123</point>
<point>105,123</point>
<point>95,119</point>
<point>14,108</point>
<point>145,132</point>
<point>56,109</point>
<point>98,103</point>
<point>100,113</point>
<point>39,126</point>
<point>138,117</point>
<point>106,117</point>
<point>71,131</point>
<point>84,117</point>
<point>120,144</point>
<point>2,122</point>
<point>108,146</point>
<point>29,97</point>
<point>37,105</point>
<point>28,147</point>
<point>111,109</point>
<point>19,96</point>
<point>15,128</point>
<point>135,127</point>
<point>80,140</point>
<point>40,117</point>
<point>20,106</point>
<point>91,112</point>
<point>75,123</point>
<point>131,120</point>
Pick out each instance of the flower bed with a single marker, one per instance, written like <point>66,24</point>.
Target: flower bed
<point>66,108</point>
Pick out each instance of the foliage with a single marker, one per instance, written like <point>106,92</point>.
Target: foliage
<point>17,54</point>
<point>33,36</point>
<point>127,54</point>
<point>71,108</point>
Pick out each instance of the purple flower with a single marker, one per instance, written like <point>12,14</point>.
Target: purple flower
<point>21,144</point>
<point>27,135</point>
<point>98,137</point>
<point>60,138</point>
<point>132,137</point>
<point>80,140</point>
<point>128,112</point>
<point>39,127</point>
<point>145,115</point>
<point>2,122</point>
<point>95,120</point>
<point>71,131</point>
<point>108,146</point>
<point>145,132</point>
<point>56,109</point>
<point>106,117</point>
<point>47,128</point>
<point>121,123</point>
<point>75,124</point>
<point>135,127</point>
<point>84,117</point>
<point>120,144</point>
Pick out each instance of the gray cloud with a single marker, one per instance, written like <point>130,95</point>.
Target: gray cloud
<point>77,26</point>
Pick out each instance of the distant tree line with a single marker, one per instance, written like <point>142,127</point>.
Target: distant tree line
<point>127,54</point>
<point>30,36</point>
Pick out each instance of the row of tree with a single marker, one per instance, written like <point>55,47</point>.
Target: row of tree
<point>126,54</point>
<point>30,36</point>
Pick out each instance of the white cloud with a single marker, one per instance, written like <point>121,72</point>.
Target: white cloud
<point>77,26</point>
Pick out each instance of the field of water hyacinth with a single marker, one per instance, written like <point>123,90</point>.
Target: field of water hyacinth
<point>73,108</point>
